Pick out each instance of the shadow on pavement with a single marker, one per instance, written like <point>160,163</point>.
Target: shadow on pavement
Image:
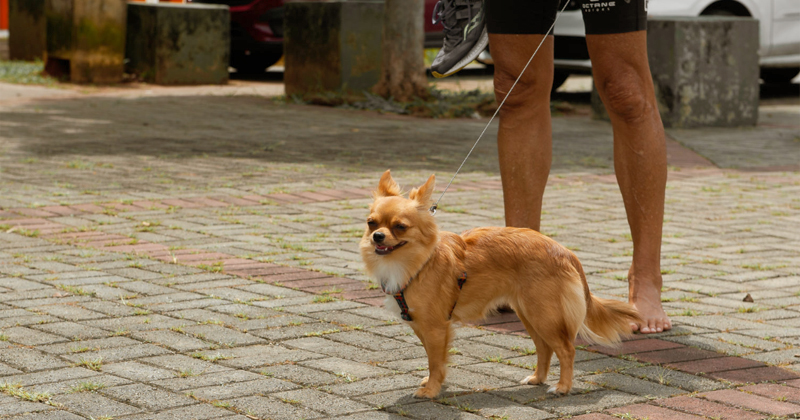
<point>263,129</point>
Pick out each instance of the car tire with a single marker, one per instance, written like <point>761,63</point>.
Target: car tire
<point>253,64</point>
<point>779,75</point>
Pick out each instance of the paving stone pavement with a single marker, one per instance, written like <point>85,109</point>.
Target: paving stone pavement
<point>182,257</point>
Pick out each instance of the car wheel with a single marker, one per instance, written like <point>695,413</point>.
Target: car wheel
<point>253,64</point>
<point>559,77</point>
<point>779,75</point>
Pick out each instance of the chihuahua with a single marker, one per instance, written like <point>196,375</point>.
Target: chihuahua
<point>436,278</point>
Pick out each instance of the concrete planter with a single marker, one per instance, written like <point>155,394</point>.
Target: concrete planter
<point>174,44</point>
<point>86,39</point>
<point>332,46</point>
<point>705,71</point>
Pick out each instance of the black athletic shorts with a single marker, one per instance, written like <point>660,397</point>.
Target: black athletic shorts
<point>536,16</point>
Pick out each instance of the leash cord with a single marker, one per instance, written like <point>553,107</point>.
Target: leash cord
<point>436,205</point>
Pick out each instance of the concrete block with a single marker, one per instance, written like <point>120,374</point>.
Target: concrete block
<point>705,71</point>
<point>85,39</point>
<point>332,46</point>
<point>174,44</point>
<point>26,30</point>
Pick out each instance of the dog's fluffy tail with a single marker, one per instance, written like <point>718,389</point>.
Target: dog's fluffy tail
<point>607,321</point>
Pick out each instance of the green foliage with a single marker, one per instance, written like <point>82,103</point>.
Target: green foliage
<point>24,72</point>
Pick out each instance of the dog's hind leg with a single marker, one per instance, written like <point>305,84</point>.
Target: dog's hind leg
<point>553,335</point>
<point>543,354</point>
<point>436,342</point>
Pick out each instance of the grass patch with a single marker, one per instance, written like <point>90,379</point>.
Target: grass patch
<point>324,299</point>
<point>94,364</point>
<point>86,387</point>
<point>75,290</point>
<point>16,390</point>
<point>210,357</point>
<point>25,73</point>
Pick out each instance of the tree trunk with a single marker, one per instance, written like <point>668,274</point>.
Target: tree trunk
<point>403,70</point>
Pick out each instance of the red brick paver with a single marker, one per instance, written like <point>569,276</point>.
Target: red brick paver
<point>775,391</point>
<point>707,408</point>
<point>753,402</point>
<point>757,374</point>
<point>675,355</point>
<point>715,365</point>
<point>652,412</point>
<point>637,346</point>
<point>594,416</point>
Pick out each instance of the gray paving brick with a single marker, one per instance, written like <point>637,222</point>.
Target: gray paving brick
<point>136,323</point>
<point>137,371</point>
<point>331,405</point>
<point>20,407</point>
<point>194,412</point>
<point>268,407</point>
<point>493,406</point>
<point>631,385</point>
<point>49,415</point>
<point>172,340</point>
<point>30,337</point>
<point>147,396</point>
<point>260,355</point>
<point>433,411</point>
<point>345,367</point>
<point>94,405</point>
<point>674,378</point>
<point>74,385</point>
<point>589,402</point>
<point>29,360</point>
<point>373,385</point>
<point>189,379</point>
<point>87,345</point>
<point>240,389</point>
<point>367,341</point>
<point>180,362</point>
<point>295,331</point>
<point>118,354</point>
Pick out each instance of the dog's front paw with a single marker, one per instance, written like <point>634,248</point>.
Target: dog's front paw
<point>559,389</point>
<point>531,380</point>
<point>426,392</point>
<point>424,381</point>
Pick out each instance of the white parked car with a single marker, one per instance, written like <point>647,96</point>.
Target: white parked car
<point>779,22</point>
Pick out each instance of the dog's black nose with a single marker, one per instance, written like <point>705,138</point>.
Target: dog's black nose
<point>378,237</point>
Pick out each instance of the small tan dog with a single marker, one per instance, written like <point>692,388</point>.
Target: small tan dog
<point>436,278</point>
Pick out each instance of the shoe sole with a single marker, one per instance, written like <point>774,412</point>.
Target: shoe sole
<point>476,50</point>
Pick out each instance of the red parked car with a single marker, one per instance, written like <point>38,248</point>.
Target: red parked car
<point>257,32</point>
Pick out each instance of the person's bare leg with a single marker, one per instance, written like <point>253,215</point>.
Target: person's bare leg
<point>524,140</point>
<point>622,77</point>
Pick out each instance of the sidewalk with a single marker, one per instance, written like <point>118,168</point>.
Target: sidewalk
<point>188,255</point>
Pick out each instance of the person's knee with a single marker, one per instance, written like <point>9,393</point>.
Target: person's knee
<point>623,93</point>
<point>531,92</point>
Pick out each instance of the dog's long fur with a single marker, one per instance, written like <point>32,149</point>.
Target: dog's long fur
<point>541,280</point>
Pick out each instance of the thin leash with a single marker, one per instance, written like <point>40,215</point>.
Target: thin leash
<point>435,206</point>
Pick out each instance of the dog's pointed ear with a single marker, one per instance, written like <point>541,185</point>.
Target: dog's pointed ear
<point>387,187</point>
<point>422,195</point>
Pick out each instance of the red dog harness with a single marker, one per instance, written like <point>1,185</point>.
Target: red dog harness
<point>401,298</point>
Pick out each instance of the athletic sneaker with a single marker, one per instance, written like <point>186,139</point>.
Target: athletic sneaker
<point>465,35</point>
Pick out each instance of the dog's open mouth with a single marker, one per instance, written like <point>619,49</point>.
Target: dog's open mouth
<point>386,250</point>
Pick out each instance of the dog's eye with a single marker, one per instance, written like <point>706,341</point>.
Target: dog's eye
<point>400,227</point>
<point>372,223</point>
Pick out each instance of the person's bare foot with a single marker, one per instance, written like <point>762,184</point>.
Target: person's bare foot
<point>645,296</point>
